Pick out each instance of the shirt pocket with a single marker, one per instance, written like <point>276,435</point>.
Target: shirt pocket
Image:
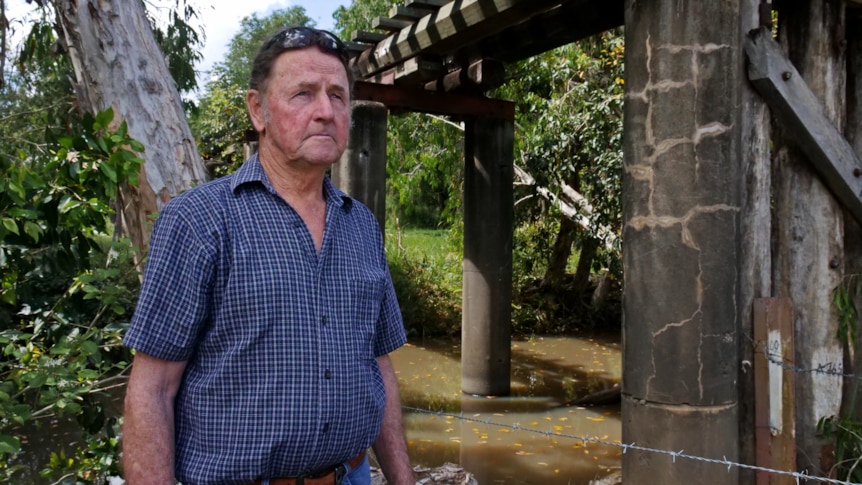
<point>366,300</point>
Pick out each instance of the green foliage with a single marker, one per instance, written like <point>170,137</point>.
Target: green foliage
<point>846,431</point>
<point>221,123</point>
<point>358,15</point>
<point>181,43</point>
<point>66,287</point>
<point>847,435</point>
<point>427,280</point>
<point>569,118</point>
<point>424,171</point>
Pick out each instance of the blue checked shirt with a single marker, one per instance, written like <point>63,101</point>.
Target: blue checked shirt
<point>280,340</point>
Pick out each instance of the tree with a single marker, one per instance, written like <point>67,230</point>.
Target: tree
<point>67,285</point>
<point>570,117</point>
<point>118,63</point>
<point>222,124</point>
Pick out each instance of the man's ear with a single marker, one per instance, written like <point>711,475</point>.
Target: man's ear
<point>256,109</point>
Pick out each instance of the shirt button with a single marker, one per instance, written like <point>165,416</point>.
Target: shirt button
<point>326,427</point>
<point>328,374</point>
<point>323,319</point>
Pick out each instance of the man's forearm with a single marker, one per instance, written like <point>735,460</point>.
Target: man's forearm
<point>148,423</point>
<point>391,447</point>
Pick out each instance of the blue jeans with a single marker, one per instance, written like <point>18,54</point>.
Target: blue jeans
<point>361,475</point>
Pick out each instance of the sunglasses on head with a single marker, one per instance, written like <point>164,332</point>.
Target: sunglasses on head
<point>299,37</point>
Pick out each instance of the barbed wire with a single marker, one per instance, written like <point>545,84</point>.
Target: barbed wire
<point>673,454</point>
<point>830,368</point>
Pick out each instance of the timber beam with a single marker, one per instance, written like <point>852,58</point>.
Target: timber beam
<point>802,115</point>
<point>454,25</point>
<point>561,25</point>
<point>447,104</point>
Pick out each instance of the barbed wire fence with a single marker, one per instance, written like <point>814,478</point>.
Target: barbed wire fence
<point>830,369</point>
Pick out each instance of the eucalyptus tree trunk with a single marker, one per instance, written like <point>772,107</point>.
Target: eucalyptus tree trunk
<point>118,63</point>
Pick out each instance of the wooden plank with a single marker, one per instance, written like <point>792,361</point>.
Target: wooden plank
<point>400,12</point>
<point>799,112</point>
<point>774,390</point>
<point>561,25</point>
<point>367,37</point>
<point>418,70</point>
<point>456,24</point>
<point>479,76</point>
<point>448,104</point>
<point>426,4</point>
<point>355,48</point>
<point>391,25</point>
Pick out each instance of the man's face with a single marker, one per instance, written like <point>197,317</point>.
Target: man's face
<point>304,116</point>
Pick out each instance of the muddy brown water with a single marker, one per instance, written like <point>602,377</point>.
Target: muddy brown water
<point>525,438</point>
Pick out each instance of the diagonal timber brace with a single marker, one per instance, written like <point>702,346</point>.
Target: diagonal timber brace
<point>800,112</point>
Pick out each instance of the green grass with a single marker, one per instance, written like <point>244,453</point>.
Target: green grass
<point>426,272</point>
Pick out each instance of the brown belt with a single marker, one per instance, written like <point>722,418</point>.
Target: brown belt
<point>332,476</point>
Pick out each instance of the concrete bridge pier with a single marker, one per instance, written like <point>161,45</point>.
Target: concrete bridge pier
<point>487,286</point>
<point>361,172</point>
<point>683,208</point>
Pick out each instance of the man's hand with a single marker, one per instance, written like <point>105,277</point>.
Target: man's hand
<point>390,447</point>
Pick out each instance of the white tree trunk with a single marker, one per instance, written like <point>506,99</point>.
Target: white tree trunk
<point>118,63</point>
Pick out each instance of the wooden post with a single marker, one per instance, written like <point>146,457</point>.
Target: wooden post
<point>852,405</point>
<point>774,390</point>
<point>361,172</point>
<point>488,231</point>
<point>809,225</point>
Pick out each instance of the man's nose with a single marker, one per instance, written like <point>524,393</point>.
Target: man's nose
<point>323,106</point>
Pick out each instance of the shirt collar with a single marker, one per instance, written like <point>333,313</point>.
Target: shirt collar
<point>252,171</point>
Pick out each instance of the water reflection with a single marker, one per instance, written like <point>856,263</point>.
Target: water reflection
<point>493,442</point>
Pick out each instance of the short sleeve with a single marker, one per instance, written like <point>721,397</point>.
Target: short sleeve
<point>173,305</point>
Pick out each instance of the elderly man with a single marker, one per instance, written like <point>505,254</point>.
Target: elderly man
<point>267,312</point>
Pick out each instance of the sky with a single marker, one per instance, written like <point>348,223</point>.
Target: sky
<point>221,19</point>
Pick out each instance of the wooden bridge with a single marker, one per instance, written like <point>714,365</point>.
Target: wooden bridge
<point>724,210</point>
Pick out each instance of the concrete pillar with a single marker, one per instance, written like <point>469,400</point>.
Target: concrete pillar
<point>487,286</point>
<point>682,197</point>
<point>361,172</point>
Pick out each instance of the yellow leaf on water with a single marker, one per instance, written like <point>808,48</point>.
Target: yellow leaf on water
<point>505,430</point>
<point>598,419</point>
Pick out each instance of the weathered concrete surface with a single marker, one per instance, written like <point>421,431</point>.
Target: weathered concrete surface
<point>361,172</point>
<point>645,424</point>
<point>682,186</point>
<point>487,287</point>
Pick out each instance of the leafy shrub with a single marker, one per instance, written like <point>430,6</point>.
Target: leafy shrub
<point>66,290</point>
